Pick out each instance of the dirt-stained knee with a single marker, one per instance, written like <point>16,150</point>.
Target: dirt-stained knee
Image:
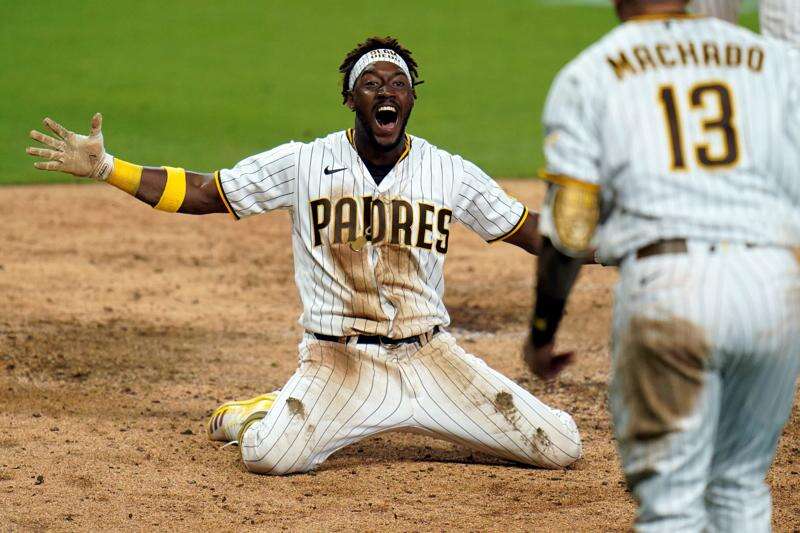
<point>295,407</point>
<point>661,369</point>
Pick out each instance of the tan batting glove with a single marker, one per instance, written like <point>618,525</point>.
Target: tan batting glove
<point>73,153</point>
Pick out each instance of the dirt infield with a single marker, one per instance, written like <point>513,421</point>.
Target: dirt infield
<point>121,328</point>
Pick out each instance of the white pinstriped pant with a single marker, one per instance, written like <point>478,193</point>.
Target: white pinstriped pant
<point>706,356</point>
<point>341,394</point>
<point>779,18</point>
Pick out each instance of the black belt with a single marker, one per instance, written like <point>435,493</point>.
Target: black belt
<point>378,339</point>
<point>674,246</point>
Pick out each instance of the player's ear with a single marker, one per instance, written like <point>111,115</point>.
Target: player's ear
<point>349,102</point>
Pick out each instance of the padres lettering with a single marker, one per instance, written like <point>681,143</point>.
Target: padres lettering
<point>395,221</point>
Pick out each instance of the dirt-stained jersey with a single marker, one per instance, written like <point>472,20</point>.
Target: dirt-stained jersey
<point>691,128</point>
<point>369,258</point>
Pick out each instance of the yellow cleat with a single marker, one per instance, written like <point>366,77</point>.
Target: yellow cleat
<point>228,419</point>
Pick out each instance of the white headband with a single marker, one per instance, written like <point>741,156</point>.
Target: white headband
<point>382,54</point>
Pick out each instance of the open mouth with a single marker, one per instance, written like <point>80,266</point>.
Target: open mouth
<point>386,117</point>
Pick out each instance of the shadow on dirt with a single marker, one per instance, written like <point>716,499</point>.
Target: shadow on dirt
<point>479,319</point>
<point>73,351</point>
<point>381,450</point>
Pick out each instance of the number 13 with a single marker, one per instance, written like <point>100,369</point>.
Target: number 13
<point>724,123</point>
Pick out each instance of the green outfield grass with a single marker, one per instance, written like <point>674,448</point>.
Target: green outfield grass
<point>203,84</point>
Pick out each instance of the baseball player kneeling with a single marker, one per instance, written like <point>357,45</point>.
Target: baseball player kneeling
<point>372,209</point>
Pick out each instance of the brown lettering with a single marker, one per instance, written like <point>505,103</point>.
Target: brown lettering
<point>643,56</point>
<point>755,59</point>
<point>378,223</point>
<point>443,227</point>
<point>621,65</point>
<point>425,225</point>
<point>661,52</point>
<point>402,218</point>
<point>711,53</point>
<point>366,215</point>
<point>688,52</point>
<point>733,55</point>
<point>320,220</point>
<point>341,223</point>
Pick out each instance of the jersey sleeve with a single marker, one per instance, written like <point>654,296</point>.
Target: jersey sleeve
<point>484,207</point>
<point>572,144</point>
<point>793,103</point>
<point>261,183</point>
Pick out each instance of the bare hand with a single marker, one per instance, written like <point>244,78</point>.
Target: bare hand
<point>75,154</point>
<point>543,362</point>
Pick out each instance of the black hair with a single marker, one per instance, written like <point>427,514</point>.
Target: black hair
<point>376,43</point>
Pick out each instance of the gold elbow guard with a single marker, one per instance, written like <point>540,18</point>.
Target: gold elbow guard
<point>575,212</point>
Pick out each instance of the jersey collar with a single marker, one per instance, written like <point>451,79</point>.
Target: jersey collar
<point>664,16</point>
<point>351,137</point>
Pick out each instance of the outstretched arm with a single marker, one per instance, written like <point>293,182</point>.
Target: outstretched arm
<point>165,188</point>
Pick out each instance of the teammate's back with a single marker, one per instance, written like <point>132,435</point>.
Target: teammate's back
<point>699,122</point>
<point>689,129</point>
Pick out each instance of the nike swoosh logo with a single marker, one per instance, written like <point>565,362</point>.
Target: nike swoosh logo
<point>328,170</point>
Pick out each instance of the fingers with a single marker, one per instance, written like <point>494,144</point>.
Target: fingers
<point>543,362</point>
<point>560,362</point>
<point>97,124</point>
<point>44,152</point>
<point>56,128</point>
<point>551,368</point>
<point>546,373</point>
<point>46,139</point>
<point>48,165</point>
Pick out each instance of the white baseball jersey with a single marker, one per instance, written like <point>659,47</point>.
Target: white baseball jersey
<point>722,9</point>
<point>654,114</point>
<point>779,18</point>
<point>369,258</point>
<point>691,129</point>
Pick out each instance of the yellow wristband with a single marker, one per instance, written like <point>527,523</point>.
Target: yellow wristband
<point>174,191</point>
<point>125,176</point>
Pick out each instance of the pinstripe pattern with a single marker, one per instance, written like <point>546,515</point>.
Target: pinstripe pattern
<point>711,473</point>
<point>723,9</point>
<point>779,18</point>
<point>591,112</point>
<point>386,289</point>
<point>343,393</point>
<point>392,287</point>
<point>706,344</point>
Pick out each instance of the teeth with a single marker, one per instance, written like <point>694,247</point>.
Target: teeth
<point>387,108</point>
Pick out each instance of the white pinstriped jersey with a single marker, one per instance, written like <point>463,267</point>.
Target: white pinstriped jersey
<point>722,9</point>
<point>393,284</point>
<point>691,128</point>
<point>779,18</point>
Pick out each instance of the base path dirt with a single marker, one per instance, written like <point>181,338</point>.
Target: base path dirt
<point>121,328</point>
